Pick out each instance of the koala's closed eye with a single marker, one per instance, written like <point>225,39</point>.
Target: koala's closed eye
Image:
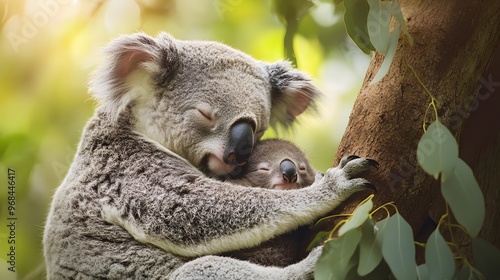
<point>263,167</point>
<point>206,113</point>
<point>302,167</point>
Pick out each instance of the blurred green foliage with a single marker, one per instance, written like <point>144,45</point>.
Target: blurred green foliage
<point>48,48</point>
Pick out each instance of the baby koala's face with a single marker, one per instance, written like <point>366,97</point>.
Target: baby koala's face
<point>277,164</point>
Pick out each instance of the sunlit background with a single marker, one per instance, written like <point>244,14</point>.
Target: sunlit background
<point>48,48</point>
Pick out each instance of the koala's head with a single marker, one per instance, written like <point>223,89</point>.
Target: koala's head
<point>277,164</point>
<point>204,101</point>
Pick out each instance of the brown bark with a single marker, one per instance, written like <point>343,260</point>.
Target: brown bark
<point>454,43</point>
<point>480,146</point>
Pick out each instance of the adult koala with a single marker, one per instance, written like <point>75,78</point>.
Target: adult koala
<point>137,203</point>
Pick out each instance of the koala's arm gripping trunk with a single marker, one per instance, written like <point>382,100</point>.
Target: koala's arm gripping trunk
<point>191,215</point>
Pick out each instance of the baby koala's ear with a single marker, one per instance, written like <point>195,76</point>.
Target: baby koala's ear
<point>291,92</point>
<point>134,65</point>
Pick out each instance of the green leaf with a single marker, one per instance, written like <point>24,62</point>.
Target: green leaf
<point>398,248</point>
<point>465,274</point>
<point>324,265</point>
<point>323,268</point>
<point>320,237</point>
<point>382,271</point>
<point>396,12</point>
<point>423,272</point>
<point>438,257</point>
<point>358,217</point>
<point>389,56</point>
<point>370,253</point>
<point>465,198</point>
<point>437,151</point>
<point>486,258</point>
<point>379,18</point>
<point>355,18</point>
<point>380,227</point>
<point>335,260</point>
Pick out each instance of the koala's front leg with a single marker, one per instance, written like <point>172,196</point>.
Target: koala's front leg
<point>216,267</point>
<point>336,185</point>
<point>191,215</point>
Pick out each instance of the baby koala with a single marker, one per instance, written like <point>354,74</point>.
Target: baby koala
<point>279,165</point>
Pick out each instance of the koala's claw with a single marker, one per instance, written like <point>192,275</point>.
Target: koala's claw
<point>373,163</point>
<point>355,166</point>
<point>351,157</point>
<point>347,159</point>
<point>370,186</point>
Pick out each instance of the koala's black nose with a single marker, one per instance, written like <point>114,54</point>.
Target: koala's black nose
<point>289,171</point>
<point>240,145</point>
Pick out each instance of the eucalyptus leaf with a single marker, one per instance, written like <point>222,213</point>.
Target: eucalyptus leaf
<point>380,228</point>
<point>358,217</point>
<point>379,18</point>
<point>382,271</point>
<point>437,151</point>
<point>439,257</point>
<point>353,263</point>
<point>398,248</point>
<point>355,19</point>
<point>324,266</point>
<point>335,259</point>
<point>389,56</point>
<point>396,12</point>
<point>465,198</point>
<point>370,253</point>
<point>423,272</point>
<point>320,237</point>
<point>486,258</point>
<point>465,274</point>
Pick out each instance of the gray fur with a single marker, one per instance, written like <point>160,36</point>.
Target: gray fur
<point>137,202</point>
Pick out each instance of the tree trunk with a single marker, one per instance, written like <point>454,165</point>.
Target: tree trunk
<point>454,43</point>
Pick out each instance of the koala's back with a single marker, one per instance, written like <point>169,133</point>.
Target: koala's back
<point>79,243</point>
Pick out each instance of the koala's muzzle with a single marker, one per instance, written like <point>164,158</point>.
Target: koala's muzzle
<point>289,171</point>
<point>240,145</point>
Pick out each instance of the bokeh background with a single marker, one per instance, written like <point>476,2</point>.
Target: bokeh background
<point>49,47</point>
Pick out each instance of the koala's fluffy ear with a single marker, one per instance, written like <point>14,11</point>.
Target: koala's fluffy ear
<point>291,92</point>
<point>116,82</point>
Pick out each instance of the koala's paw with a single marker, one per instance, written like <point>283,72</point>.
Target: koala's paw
<point>345,178</point>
